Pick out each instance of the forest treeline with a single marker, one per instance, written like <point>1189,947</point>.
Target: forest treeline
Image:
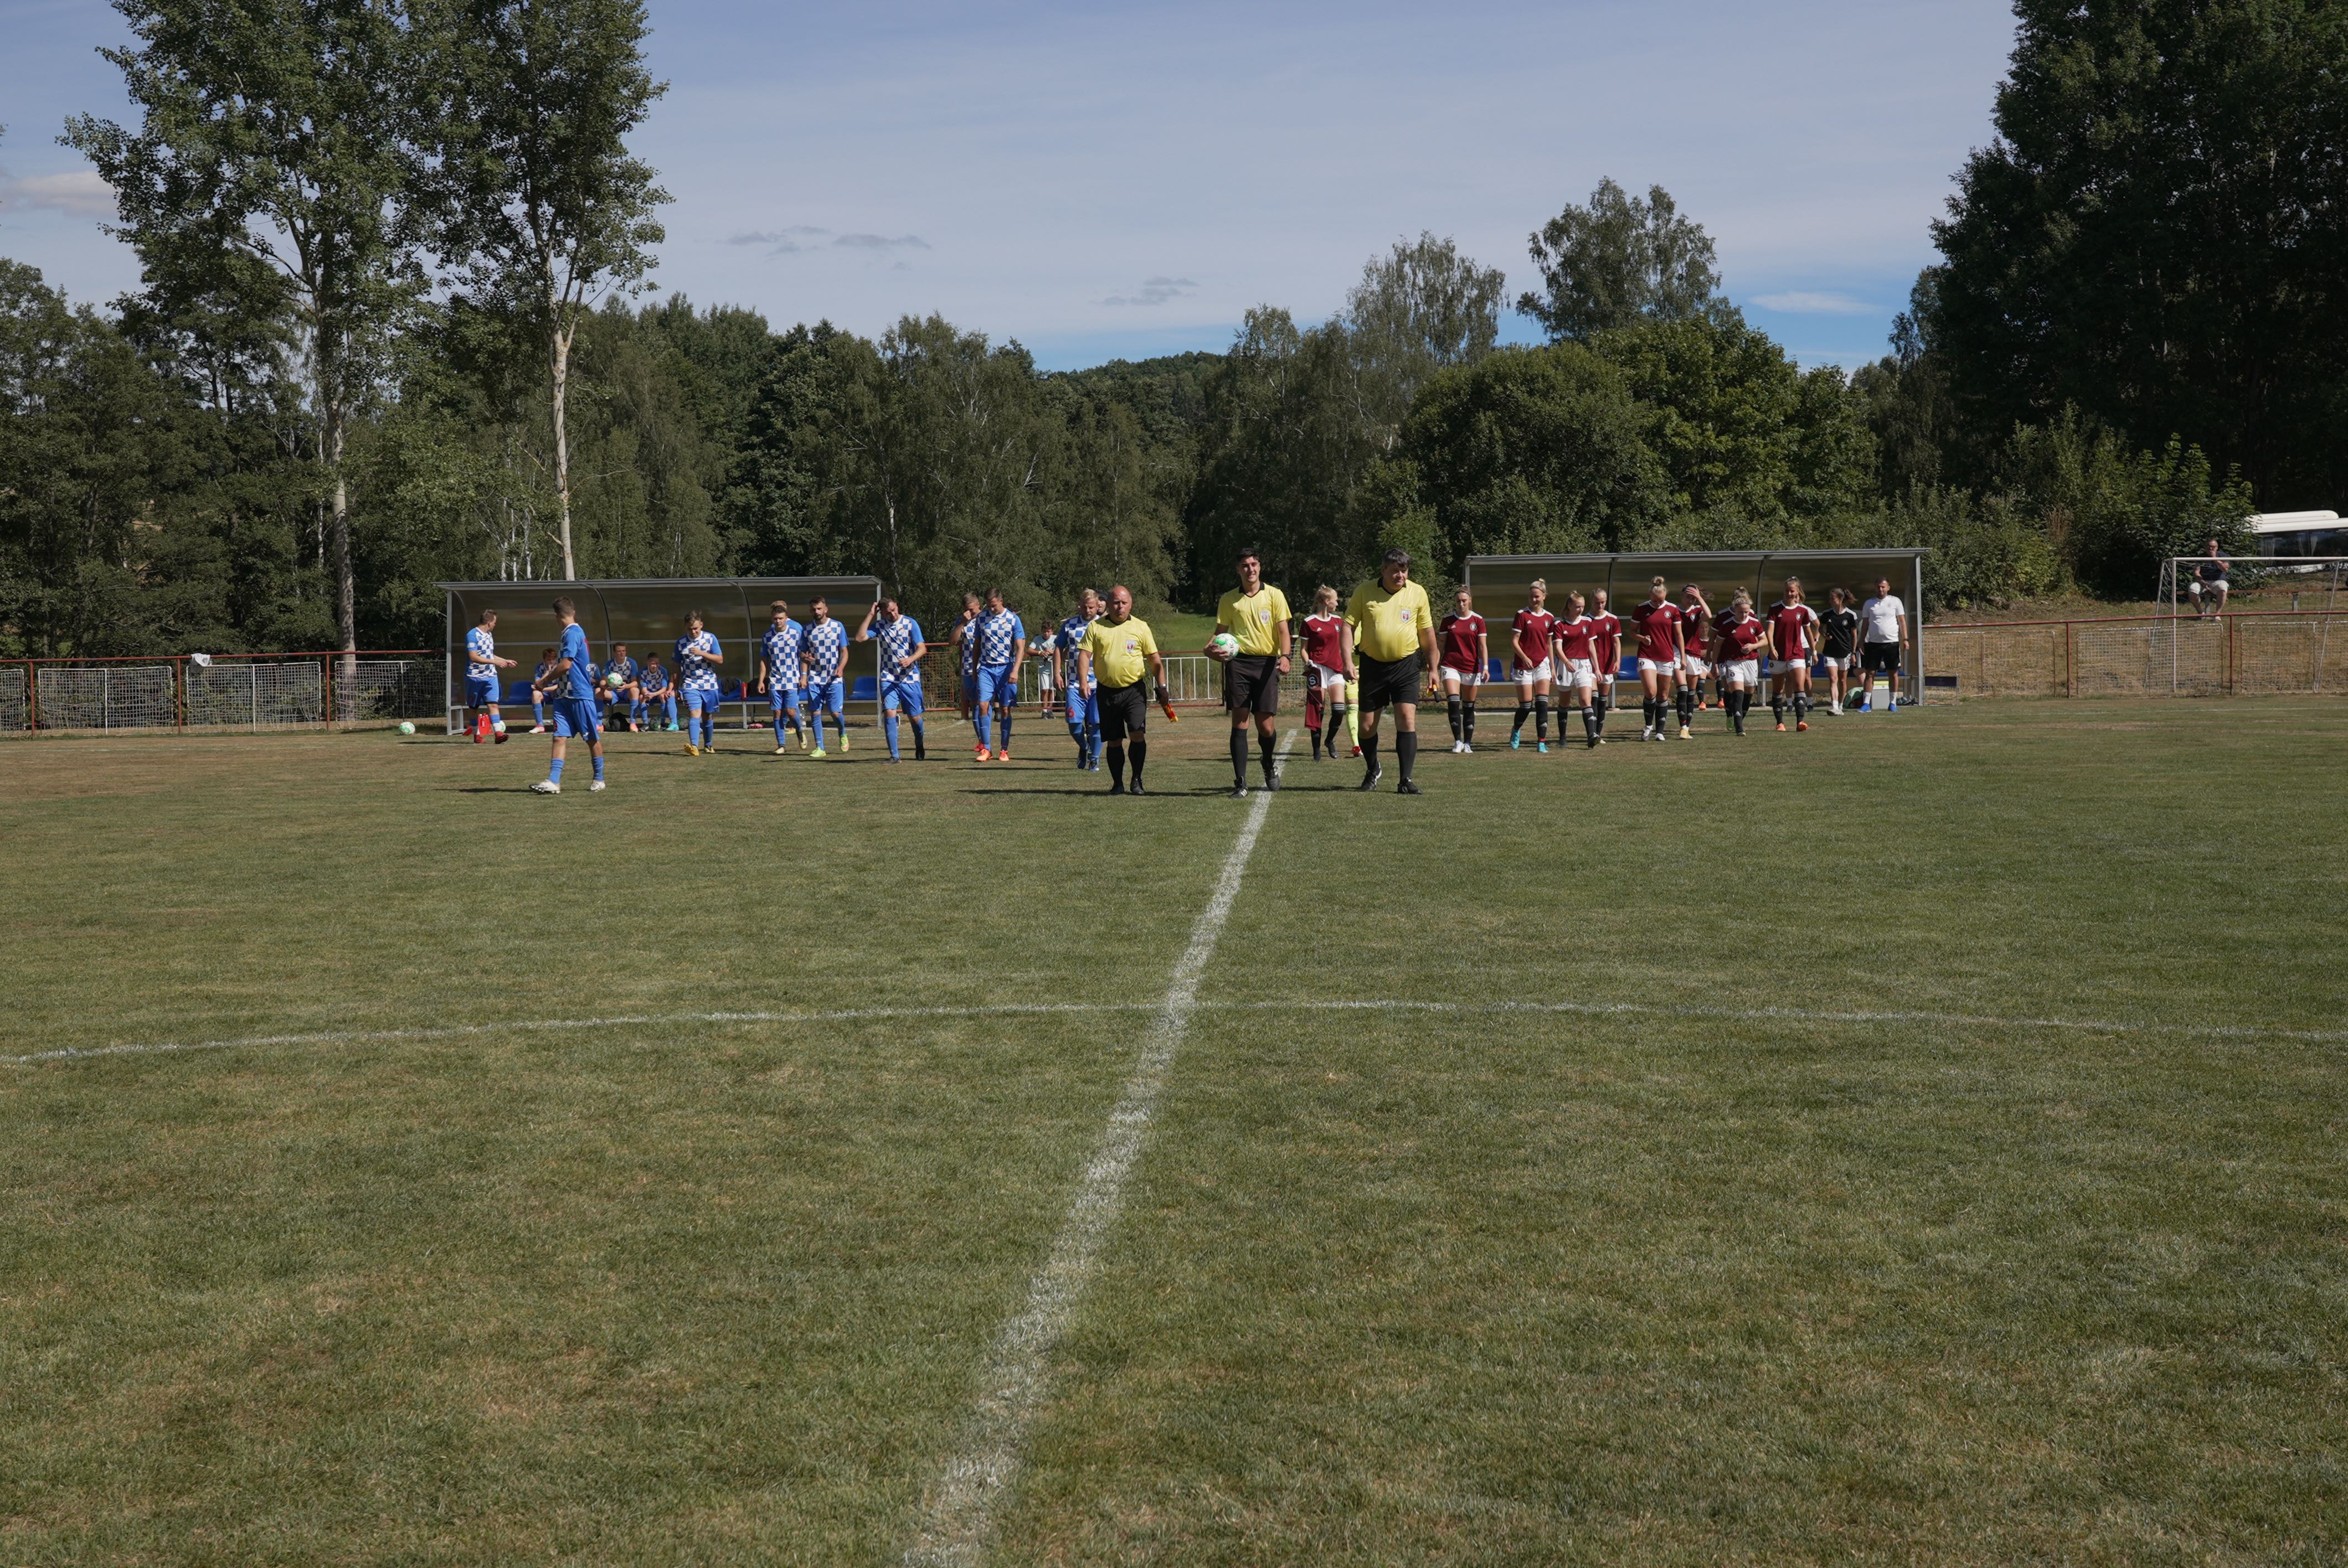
<point>421,348</point>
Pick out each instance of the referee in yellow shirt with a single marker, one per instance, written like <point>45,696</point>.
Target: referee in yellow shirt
<point>1114,651</point>
<point>1256,616</point>
<point>1394,633</point>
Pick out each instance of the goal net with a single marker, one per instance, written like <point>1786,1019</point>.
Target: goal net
<point>108,697</point>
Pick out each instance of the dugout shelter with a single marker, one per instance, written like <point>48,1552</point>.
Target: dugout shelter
<point>1762,573</point>
<point>648,614</point>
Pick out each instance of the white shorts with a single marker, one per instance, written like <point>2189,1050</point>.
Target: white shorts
<point>2197,585</point>
<point>1790,666</point>
<point>1581,673</point>
<point>1742,671</point>
<point>1659,666</point>
<point>1538,673</point>
<point>1453,678</point>
<point>1695,666</point>
<point>1326,679</point>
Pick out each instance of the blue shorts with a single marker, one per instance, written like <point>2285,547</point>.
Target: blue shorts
<point>698,700</point>
<point>783,699</point>
<point>1084,709</point>
<point>480,693</point>
<point>576,716</point>
<point>826,696</point>
<point>996,685</point>
<point>904,694</point>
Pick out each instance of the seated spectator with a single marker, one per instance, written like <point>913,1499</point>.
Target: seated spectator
<point>2210,587</point>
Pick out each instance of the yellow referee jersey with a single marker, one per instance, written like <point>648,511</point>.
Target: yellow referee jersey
<point>1120,653</point>
<point>1386,625</point>
<point>1253,620</point>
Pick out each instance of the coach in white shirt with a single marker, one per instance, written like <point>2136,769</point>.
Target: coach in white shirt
<point>1882,633</point>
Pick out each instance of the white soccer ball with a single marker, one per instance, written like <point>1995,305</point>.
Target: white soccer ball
<point>1225,644</point>
<point>407,727</point>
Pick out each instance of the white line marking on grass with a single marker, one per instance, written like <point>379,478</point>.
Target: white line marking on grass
<point>959,1514</point>
<point>991,1010</point>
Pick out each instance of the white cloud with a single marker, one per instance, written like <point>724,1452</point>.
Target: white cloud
<point>78,192</point>
<point>1806,302</point>
<point>1155,291</point>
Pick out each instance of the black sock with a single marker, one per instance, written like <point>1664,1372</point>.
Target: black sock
<point>1263,750</point>
<point>1369,753</point>
<point>1467,724</point>
<point>1140,750</point>
<point>1454,705</point>
<point>1777,705</point>
<point>1593,722</point>
<point>918,747</point>
<point>1524,711</point>
<point>1801,707</point>
<point>1314,731</point>
<point>1238,759</point>
<point>1540,719</point>
<point>1115,752</point>
<point>1688,705</point>
<point>1407,751</point>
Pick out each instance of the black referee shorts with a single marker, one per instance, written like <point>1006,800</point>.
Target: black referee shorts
<point>1252,683</point>
<point>1124,710</point>
<point>1384,685</point>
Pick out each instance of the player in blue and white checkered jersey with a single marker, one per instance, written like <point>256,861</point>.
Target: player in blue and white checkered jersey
<point>1001,639</point>
<point>1080,698</point>
<point>481,667</point>
<point>826,663</point>
<point>899,661</point>
<point>625,668</point>
<point>780,672</point>
<point>697,658</point>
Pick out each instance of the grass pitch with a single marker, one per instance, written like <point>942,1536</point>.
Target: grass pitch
<point>1797,1223</point>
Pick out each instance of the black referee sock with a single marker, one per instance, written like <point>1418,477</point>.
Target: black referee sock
<point>1540,719</point>
<point>1454,705</point>
<point>1369,754</point>
<point>1238,759</point>
<point>1115,752</point>
<point>1140,750</point>
<point>1263,745</point>
<point>1407,751</point>
<point>1524,711</point>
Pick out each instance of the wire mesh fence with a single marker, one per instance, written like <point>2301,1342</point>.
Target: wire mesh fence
<point>2252,653</point>
<point>260,691</point>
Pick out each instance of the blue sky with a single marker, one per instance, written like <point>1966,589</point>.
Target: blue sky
<point>1104,180</point>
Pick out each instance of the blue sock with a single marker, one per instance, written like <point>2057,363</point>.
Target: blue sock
<point>554,770</point>
<point>1006,726</point>
<point>779,726</point>
<point>888,722</point>
<point>817,717</point>
<point>597,761</point>
<point>985,730</point>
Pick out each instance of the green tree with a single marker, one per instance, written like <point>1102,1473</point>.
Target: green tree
<point>1421,308</point>
<point>2156,235</point>
<point>1742,432</point>
<point>1617,260</point>
<point>1530,451</point>
<point>263,189</point>
<point>535,205</point>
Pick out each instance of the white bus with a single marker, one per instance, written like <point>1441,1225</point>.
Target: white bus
<point>2299,534</point>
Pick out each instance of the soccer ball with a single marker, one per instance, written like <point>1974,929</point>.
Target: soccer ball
<point>614,680</point>
<point>407,727</point>
<point>1225,644</point>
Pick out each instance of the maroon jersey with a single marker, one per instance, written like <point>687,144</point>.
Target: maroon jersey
<point>1325,641</point>
<point>1606,639</point>
<point>1656,624</point>
<point>1797,629</point>
<point>1534,630</point>
<point>1578,638</point>
<point>1693,622</point>
<point>1456,639</point>
<point>1739,638</point>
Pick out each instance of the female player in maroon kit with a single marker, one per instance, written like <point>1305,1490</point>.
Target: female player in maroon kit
<point>1578,656</point>
<point>1531,633</point>
<point>1738,638</point>
<point>1661,650</point>
<point>1793,643</point>
<point>1465,654</point>
<point>1328,665</point>
<point>1606,646</point>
